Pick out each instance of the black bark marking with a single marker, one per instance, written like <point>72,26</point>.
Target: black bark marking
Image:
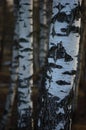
<point>55,98</point>
<point>26,4</point>
<point>68,57</point>
<point>62,91</point>
<point>75,3</point>
<point>70,29</point>
<point>21,12</point>
<point>52,43</point>
<point>20,56</point>
<point>25,25</point>
<point>59,34</point>
<point>24,67</point>
<point>19,46</point>
<point>53,32</point>
<point>76,12</point>
<point>67,3</point>
<point>61,17</point>
<point>72,72</point>
<point>62,82</point>
<point>23,40</point>
<point>27,50</point>
<point>64,29</point>
<point>59,6</point>
<point>58,52</point>
<point>55,66</point>
<point>21,19</point>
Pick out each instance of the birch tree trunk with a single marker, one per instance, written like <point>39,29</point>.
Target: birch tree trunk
<point>13,74</point>
<point>25,72</point>
<point>59,82</point>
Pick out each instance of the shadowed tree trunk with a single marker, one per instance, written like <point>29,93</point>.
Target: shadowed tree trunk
<point>59,82</point>
<point>44,31</point>
<point>42,49</point>
<point>35,88</point>
<point>83,44</point>
<point>3,33</point>
<point>25,71</point>
<point>13,73</point>
<point>36,34</point>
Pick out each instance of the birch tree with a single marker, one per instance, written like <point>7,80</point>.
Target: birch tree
<point>59,82</point>
<point>59,74</point>
<point>25,57</point>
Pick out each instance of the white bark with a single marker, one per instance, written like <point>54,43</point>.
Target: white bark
<point>60,81</point>
<point>25,64</point>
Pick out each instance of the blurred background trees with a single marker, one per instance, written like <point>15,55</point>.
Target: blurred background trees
<point>41,26</point>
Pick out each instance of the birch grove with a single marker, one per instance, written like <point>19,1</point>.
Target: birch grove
<point>45,64</point>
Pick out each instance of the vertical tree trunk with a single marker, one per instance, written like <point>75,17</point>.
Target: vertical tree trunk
<point>35,61</point>
<point>45,19</point>
<point>36,34</point>
<point>3,33</point>
<point>62,66</point>
<point>25,72</point>
<point>13,73</point>
<point>45,16</point>
<point>83,44</point>
<point>43,32</point>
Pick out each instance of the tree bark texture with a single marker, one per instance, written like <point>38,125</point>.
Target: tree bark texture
<point>25,57</point>
<point>59,62</point>
<point>59,83</point>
